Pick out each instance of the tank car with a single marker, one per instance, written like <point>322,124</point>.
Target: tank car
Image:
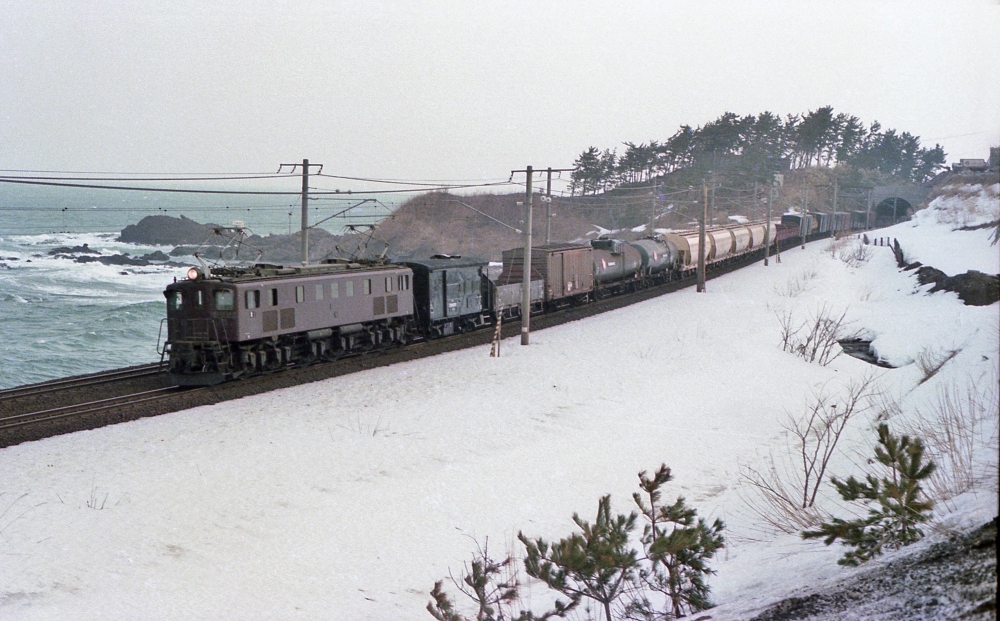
<point>233,322</point>
<point>617,266</point>
<point>658,256</point>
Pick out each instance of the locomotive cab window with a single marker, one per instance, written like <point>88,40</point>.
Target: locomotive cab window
<point>175,301</point>
<point>253,299</point>
<point>388,284</point>
<point>403,282</point>
<point>224,300</point>
<point>349,288</point>
<point>273,297</point>
<point>319,291</point>
<point>300,293</point>
<point>368,286</point>
<point>335,290</point>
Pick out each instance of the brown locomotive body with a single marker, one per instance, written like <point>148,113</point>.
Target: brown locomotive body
<point>228,323</point>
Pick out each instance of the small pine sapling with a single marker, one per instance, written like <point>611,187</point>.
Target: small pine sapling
<point>494,587</point>
<point>896,502</point>
<point>597,563</point>
<point>677,548</point>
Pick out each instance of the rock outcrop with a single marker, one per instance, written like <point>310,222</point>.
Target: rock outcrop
<point>166,231</point>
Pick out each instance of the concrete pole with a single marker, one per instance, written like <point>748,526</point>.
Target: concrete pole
<point>805,213</point>
<point>712,211</point>
<point>835,202</point>
<point>868,212</point>
<point>526,284</point>
<point>305,212</point>
<point>701,238</point>
<point>548,206</point>
<point>767,227</point>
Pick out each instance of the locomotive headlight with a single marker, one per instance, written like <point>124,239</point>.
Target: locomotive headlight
<point>193,273</point>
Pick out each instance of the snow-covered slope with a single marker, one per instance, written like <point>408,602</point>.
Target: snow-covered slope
<point>348,498</point>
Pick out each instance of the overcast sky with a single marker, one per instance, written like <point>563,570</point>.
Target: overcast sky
<point>466,90</point>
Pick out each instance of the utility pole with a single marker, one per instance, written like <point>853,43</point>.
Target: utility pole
<point>548,206</point>
<point>305,203</point>
<point>835,184</point>
<point>652,210</point>
<point>805,214</point>
<point>712,210</point>
<point>868,212</point>
<point>526,282</point>
<point>767,226</point>
<point>701,238</point>
<point>548,200</point>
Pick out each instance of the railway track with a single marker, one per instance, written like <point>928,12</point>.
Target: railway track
<point>92,379</point>
<point>87,402</point>
<point>79,409</point>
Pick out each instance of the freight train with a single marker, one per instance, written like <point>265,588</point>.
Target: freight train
<point>228,323</point>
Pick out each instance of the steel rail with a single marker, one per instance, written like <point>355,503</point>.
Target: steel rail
<point>18,420</point>
<point>86,380</point>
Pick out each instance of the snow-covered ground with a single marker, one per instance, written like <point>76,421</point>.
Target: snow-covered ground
<point>931,239</point>
<point>349,498</point>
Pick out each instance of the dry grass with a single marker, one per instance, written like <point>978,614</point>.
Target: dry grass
<point>850,250</point>
<point>930,361</point>
<point>961,433</point>
<point>797,284</point>
<point>969,203</point>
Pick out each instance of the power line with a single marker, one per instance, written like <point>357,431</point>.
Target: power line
<point>132,179</point>
<point>114,172</point>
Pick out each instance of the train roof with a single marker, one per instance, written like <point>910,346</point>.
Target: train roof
<point>266,270</point>
<point>443,263</point>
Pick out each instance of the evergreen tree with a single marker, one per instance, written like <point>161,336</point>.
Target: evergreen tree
<point>896,502</point>
<point>596,563</point>
<point>677,548</point>
<point>493,587</point>
<point>586,173</point>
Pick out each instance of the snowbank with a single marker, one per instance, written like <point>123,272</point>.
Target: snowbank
<point>934,238</point>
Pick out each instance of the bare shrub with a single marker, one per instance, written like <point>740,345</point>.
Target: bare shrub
<point>930,361</point>
<point>784,490</point>
<point>856,254</point>
<point>797,284</point>
<point>492,585</point>
<point>816,339</point>
<point>961,427</point>
<point>851,251</point>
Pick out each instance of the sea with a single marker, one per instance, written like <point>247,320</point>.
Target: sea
<point>60,318</point>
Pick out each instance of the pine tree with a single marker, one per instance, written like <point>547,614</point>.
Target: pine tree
<point>493,587</point>
<point>597,563</point>
<point>896,502</point>
<point>677,548</point>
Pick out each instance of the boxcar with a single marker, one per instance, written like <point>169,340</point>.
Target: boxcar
<point>567,270</point>
<point>449,294</point>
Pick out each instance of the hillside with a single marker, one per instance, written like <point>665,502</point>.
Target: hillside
<point>467,225</point>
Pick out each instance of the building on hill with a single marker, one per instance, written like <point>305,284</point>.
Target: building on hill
<point>971,165</point>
